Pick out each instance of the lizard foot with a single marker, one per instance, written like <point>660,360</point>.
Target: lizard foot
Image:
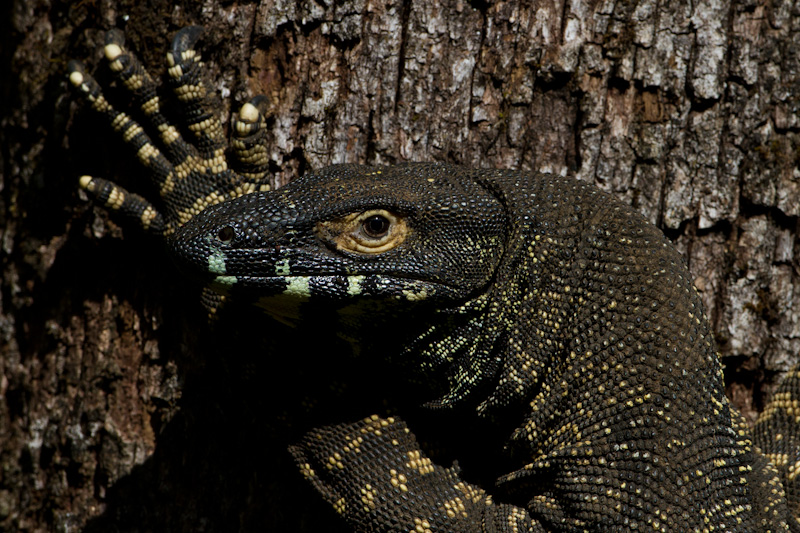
<point>375,475</point>
<point>189,175</point>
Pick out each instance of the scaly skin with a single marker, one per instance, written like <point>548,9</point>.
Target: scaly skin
<point>515,292</point>
<point>531,290</point>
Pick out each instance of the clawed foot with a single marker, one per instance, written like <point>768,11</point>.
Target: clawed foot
<point>189,175</point>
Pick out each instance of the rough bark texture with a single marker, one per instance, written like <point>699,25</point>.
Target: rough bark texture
<point>118,411</point>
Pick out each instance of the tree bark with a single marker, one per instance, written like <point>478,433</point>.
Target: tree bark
<point>117,409</point>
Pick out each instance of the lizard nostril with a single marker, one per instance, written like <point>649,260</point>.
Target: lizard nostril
<point>226,234</point>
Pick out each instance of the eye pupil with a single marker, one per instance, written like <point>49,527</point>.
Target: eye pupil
<point>376,226</point>
<point>226,234</point>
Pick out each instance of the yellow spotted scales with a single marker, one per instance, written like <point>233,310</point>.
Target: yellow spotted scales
<point>519,294</point>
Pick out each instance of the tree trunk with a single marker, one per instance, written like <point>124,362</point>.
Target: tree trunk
<point>117,408</point>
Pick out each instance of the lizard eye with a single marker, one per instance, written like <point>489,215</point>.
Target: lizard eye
<point>366,232</point>
<point>226,234</point>
<point>376,226</point>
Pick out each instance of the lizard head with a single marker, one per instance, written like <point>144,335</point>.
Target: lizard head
<point>353,238</point>
<point>401,258</point>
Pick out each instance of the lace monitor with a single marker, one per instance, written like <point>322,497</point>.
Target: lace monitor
<point>534,295</point>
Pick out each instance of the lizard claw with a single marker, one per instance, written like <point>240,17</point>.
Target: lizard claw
<point>185,40</point>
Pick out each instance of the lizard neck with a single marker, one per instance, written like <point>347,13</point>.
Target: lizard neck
<point>498,345</point>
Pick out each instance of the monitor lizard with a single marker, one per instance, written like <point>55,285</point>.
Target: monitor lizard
<point>528,295</point>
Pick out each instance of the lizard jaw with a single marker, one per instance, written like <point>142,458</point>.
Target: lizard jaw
<point>331,287</point>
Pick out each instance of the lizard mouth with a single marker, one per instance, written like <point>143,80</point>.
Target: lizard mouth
<point>286,298</point>
<point>334,287</point>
